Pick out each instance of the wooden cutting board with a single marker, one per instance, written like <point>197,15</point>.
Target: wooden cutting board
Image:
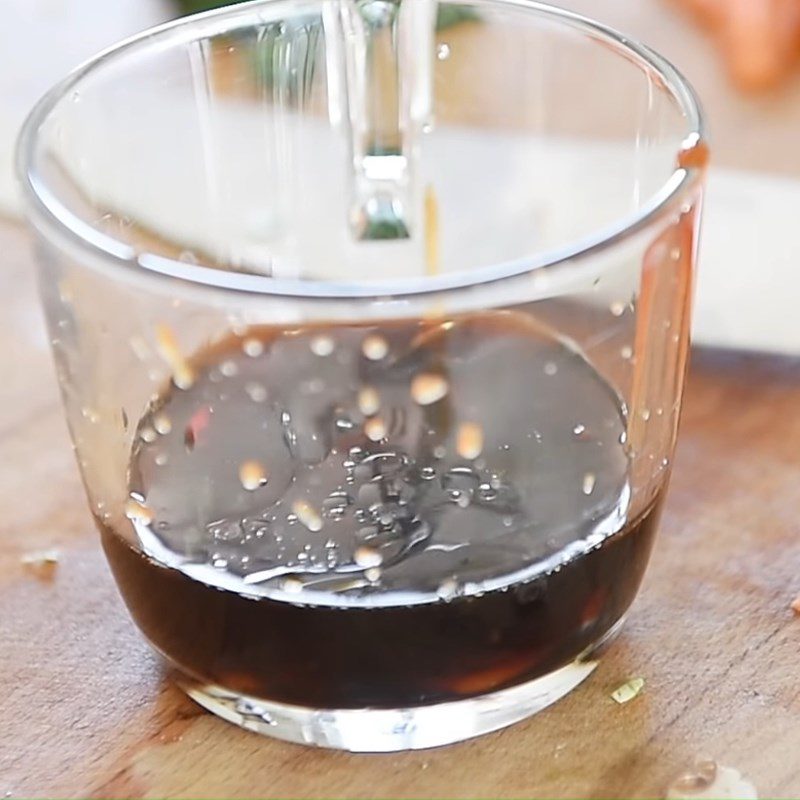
<point>86,710</point>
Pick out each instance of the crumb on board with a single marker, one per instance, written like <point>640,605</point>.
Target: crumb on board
<point>628,690</point>
<point>796,605</point>
<point>41,562</point>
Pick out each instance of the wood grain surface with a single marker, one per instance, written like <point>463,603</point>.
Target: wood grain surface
<point>86,710</point>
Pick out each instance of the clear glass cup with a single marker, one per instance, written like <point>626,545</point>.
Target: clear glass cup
<point>372,344</point>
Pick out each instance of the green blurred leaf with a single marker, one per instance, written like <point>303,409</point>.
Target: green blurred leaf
<point>304,34</point>
<point>447,15</point>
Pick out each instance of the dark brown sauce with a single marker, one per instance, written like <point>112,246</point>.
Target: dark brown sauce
<point>292,554</point>
<point>382,657</point>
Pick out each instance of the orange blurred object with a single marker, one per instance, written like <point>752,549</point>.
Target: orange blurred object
<point>759,39</point>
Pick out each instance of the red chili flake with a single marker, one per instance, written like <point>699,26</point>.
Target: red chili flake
<point>197,424</point>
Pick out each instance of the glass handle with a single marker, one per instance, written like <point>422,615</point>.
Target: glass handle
<point>380,55</point>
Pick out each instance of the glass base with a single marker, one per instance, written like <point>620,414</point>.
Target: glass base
<point>371,730</point>
<point>367,730</point>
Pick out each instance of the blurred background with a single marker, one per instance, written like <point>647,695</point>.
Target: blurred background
<point>741,55</point>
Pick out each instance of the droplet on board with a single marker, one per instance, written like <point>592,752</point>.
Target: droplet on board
<point>589,480</point>
<point>428,388</point>
<point>373,574</point>
<point>707,780</point>
<point>41,562</point>
<point>617,308</point>
<point>252,475</point>
<point>700,777</point>
<point>626,352</point>
<point>443,51</point>
<point>469,441</point>
<point>375,347</point>
<point>550,368</point>
<point>579,429</point>
<point>307,515</point>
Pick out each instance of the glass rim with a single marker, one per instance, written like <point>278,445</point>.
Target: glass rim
<point>57,223</point>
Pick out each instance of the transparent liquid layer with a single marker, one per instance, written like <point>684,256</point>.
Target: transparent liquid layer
<point>352,466</point>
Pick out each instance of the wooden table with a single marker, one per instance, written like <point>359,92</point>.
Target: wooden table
<point>87,711</point>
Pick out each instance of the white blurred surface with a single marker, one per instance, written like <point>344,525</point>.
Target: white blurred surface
<point>749,278</point>
<point>42,40</point>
